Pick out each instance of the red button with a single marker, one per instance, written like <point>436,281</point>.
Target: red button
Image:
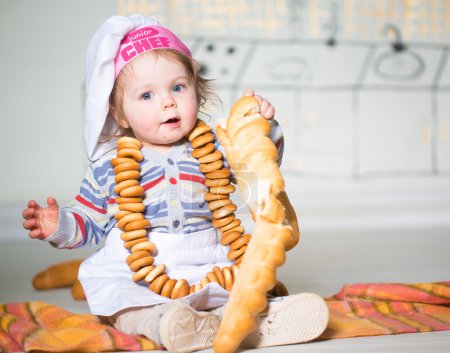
<point>173,181</point>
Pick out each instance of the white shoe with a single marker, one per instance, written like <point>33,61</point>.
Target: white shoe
<point>184,329</point>
<point>287,320</point>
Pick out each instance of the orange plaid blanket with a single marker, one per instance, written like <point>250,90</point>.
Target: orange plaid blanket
<point>388,308</point>
<point>38,326</point>
<point>357,310</point>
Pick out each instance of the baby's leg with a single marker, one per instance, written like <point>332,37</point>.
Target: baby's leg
<point>175,325</point>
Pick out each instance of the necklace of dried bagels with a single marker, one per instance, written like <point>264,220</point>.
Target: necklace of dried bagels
<point>130,217</point>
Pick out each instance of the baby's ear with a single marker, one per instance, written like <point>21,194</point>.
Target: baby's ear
<point>122,121</point>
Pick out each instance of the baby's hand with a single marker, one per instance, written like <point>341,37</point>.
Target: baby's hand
<point>267,109</point>
<point>41,222</point>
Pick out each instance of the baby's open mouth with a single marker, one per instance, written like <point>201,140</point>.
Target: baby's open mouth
<point>172,120</point>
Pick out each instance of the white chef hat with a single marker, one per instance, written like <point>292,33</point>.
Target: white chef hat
<point>118,40</point>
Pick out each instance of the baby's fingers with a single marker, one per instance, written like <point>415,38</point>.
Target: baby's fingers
<point>33,205</point>
<point>28,213</point>
<point>264,106</point>
<point>35,233</point>
<point>52,204</point>
<point>34,229</point>
<point>248,92</point>
<point>30,224</point>
<point>267,109</point>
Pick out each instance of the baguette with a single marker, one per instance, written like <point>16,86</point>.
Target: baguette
<point>63,274</point>
<point>253,155</point>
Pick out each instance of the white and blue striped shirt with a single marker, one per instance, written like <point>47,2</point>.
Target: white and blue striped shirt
<point>174,196</point>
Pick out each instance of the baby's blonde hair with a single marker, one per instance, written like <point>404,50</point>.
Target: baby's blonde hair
<point>203,87</point>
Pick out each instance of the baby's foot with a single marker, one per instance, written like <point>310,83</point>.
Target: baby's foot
<point>287,320</point>
<point>184,329</point>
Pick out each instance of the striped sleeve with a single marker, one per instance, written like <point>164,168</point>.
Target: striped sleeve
<point>90,216</point>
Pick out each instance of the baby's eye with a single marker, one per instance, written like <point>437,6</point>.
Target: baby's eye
<point>146,96</point>
<point>177,88</point>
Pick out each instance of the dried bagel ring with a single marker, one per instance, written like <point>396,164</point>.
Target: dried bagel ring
<point>204,282</point>
<point>224,211</point>
<point>130,243</point>
<point>234,254</point>
<point>227,189</point>
<point>219,174</point>
<point>230,226</point>
<point>235,229</point>
<point>211,197</point>
<point>167,289</point>
<point>139,224</point>
<point>216,204</point>
<point>212,157</point>
<point>125,184</point>
<point>132,191</point>
<point>158,270</point>
<point>228,238</point>
<point>130,165</point>
<point>210,167</point>
<point>228,277</point>
<point>203,151</point>
<point>177,287</point>
<point>130,139</point>
<point>218,272</point>
<point>136,256</point>
<point>127,175</point>
<point>212,277</point>
<point>129,218</point>
<point>202,140</point>
<point>182,291</point>
<point>240,242</point>
<point>132,206</point>
<point>118,215</point>
<point>131,153</point>
<point>136,265</point>
<point>223,221</point>
<point>121,199</point>
<point>147,246</point>
<point>135,234</point>
<point>217,182</point>
<point>118,160</point>
<point>124,144</point>
<point>158,283</point>
<point>144,271</point>
<point>199,130</point>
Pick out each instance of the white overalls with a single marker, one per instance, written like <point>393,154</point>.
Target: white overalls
<point>107,279</point>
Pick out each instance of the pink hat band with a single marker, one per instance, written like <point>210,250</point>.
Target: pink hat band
<point>144,39</point>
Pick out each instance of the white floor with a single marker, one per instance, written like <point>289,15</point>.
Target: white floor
<point>394,230</point>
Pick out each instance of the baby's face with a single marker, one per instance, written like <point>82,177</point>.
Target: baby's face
<point>159,100</point>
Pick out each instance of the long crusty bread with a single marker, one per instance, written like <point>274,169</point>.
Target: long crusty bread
<point>253,155</point>
<point>63,274</point>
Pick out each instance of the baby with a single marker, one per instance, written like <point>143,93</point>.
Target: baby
<point>141,81</point>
